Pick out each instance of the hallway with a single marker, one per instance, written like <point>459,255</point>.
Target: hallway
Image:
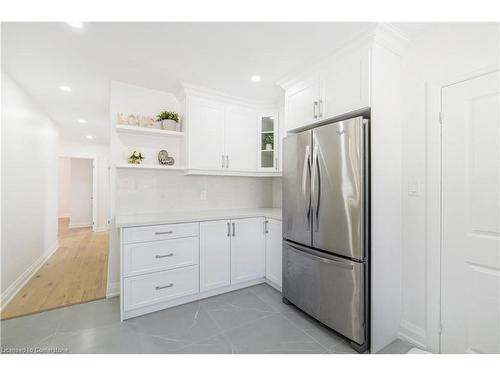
<point>75,273</point>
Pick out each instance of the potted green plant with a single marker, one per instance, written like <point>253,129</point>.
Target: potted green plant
<point>269,141</point>
<point>168,120</point>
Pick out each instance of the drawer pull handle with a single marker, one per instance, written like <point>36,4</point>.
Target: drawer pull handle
<point>165,256</point>
<point>165,286</point>
<point>167,232</point>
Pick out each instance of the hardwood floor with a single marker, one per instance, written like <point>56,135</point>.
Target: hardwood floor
<point>75,273</point>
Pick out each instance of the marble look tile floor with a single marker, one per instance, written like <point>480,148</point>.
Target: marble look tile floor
<point>250,320</point>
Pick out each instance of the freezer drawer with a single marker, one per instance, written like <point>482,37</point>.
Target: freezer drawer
<point>328,288</point>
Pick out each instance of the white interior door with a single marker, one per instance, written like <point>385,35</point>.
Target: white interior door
<point>470,295</point>
<point>81,193</point>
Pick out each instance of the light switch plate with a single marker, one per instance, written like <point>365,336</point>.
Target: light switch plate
<point>413,189</point>
<point>203,195</point>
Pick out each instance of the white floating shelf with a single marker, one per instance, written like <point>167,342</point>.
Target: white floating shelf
<point>150,166</point>
<point>147,131</point>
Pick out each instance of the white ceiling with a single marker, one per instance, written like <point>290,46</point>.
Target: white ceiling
<point>220,56</point>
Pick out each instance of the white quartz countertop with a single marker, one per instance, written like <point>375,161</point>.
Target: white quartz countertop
<point>123,221</point>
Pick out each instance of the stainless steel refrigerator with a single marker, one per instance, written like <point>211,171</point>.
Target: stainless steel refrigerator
<point>326,226</point>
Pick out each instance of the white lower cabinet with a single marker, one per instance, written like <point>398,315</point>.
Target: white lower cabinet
<point>215,254</point>
<point>274,251</point>
<point>247,250</point>
<point>148,289</point>
<point>159,270</point>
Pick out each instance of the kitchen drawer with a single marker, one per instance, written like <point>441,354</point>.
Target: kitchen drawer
<point>159,232</point>
<point>145,290</point>
<point>146,257</point>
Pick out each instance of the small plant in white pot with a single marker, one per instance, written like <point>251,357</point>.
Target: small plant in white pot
<point>169,120</point>
<point>269,141</point>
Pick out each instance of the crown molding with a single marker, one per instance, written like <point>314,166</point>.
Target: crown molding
<point>188,89</point>
<point>385,35</point>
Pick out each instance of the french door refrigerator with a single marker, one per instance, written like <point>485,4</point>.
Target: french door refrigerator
<point>326,226</point>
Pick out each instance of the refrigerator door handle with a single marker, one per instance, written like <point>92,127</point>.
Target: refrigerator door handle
<point>317,181</point>
<point>306,172</point>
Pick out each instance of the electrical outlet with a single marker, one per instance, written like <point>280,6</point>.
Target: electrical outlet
<point>413,189</point>
<point>203,195</point>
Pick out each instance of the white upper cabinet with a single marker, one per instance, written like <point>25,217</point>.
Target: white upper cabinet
<point>222,137</point>
<point>247,250</point>
<point>340,88</point>
<point>302,103</point>
<point>345,85</point>
<point>205,129</point>
<point>240,139</point>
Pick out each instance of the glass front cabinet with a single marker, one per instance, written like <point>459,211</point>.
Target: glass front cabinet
<point>268,142</point>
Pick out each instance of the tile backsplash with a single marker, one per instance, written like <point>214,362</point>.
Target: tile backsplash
<point>144,191</point>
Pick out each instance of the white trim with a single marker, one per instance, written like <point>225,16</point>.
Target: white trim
<point>113,290</point>
<point>79,225</point>
<point>273,284</point>
<point>433,216</point>
<point>413,334</point>
<point>21,281</point>
<point>188,89</point>
<point>208,172</point>
<point>385,35</point>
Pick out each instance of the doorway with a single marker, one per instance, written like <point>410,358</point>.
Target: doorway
<point>470,214</point>
<point>77,271</point>
<point>76,192</point>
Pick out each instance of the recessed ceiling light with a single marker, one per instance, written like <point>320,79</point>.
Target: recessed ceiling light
<point>65,88</point>
<point>89,137</point>
<point>76,25</point>
<point>255,78</point>
<point>82,121</point>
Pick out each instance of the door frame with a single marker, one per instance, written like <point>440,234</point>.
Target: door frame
<point>94,186</point>
<point>434,214</point>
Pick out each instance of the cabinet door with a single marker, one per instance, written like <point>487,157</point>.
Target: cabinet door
<point>241,139</point>
<point>205,128</point>
<point>345,86</point>
<point>268,142</point>
<point>274,251</point>
<point>247,250</point>
<point>215,254</point>
<point>300,104</point>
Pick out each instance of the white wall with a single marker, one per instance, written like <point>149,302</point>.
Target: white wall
<point>81,193</point>
<point>445,54</point>
<point>29,187</point>
<point>100,154</point>
<point>64,186</point>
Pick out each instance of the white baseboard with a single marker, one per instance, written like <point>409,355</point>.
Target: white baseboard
<point>21,281</point>
<point>413,334</point>
<point>273,284</point>
<point>113,290</point>
<point>79,225</point>
<point>101,229</point>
